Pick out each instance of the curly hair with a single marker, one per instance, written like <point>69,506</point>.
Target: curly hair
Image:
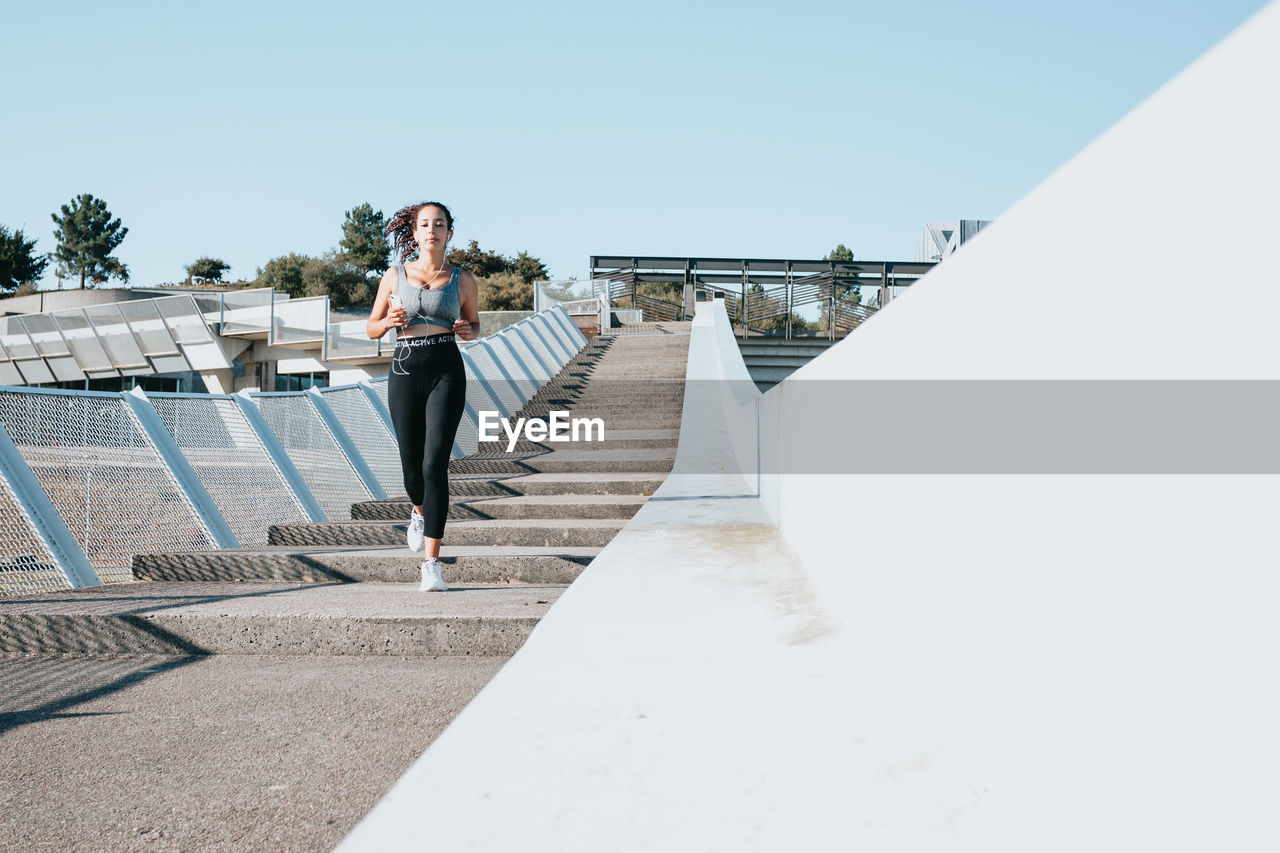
<point>402,224</point>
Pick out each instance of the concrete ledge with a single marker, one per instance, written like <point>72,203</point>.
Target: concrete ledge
<point>330,619</point>
<point>514,506</point>
<point>487,564</point>
<point>544,533</point>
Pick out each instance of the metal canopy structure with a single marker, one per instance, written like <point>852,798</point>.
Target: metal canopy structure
<point>755,290</point>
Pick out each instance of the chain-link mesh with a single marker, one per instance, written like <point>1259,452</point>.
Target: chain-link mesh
<point>233,466</point>
<point>508,393</point>
<point>314,452</point>
<point>379,387</point>
<point>104,477</point>
<point>26,563</point>
<point>370,434</point>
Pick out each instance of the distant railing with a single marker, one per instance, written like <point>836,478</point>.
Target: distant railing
<point>589,309</point>
<point>88,479</point>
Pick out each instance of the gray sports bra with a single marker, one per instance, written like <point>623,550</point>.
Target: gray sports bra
<point>439,307</point>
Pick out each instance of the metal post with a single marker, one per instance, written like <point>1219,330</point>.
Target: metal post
<point>348,447</point>
<point>279,456</point>
<point>324,332</point>
<point>49,525</point>
<point>180,468</point>
<point>787,287</point>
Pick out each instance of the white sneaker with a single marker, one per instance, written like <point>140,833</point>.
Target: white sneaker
<point>417,529</point>
<point>432,576</point>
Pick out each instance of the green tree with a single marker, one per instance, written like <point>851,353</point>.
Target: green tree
<point>283,273</point>
<point>839,253</point>
<point>505,291</point>
<point>529,268</point>
<point>207,270</point>
<point>364,242</point>
<point>87,235</point>
<point>19,263</point>
<point>331,275</point>
<point>334,276</point>
<point>481,263</point>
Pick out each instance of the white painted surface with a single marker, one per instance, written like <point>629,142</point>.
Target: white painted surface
<point>967,662</point>
<point>1095,650</point>
<point>351,374</point>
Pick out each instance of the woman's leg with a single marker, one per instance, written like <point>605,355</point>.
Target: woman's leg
<point>408,415</point>
<point>444,406</point>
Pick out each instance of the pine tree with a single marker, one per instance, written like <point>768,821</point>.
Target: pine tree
<point>19,264</point>
<point>364,242</point>
<point>87,235</point>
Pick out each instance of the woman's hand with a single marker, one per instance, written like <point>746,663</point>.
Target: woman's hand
<point>396,317</point>
<point>462,329</point>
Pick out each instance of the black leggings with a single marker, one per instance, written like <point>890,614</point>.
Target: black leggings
<point>426,392</point>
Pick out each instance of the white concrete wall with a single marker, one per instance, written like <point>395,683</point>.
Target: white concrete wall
<point>1096,649</point>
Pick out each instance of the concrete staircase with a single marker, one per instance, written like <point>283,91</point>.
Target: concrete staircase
<point>771,360</point>
<point>299,616</point>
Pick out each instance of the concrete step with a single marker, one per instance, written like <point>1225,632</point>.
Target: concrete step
<point>522,506</point>
<point>397,564</point>
<point>777,361</point>
<point>614,418</point>
<point>794,347</point>
<point>557,483</point>
<point>618,393</point>
<point>534,532</point>
<point>274,619</point>
<point>612,441</point>
<point>565,461</point>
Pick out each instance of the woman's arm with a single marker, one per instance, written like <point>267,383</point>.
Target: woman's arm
<point>467,326</point>
<point>383,317</point>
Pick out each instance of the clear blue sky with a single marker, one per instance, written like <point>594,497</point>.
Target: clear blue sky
<point>244,130</point>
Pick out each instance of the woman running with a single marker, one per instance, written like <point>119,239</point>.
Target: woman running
<point>428,303</point>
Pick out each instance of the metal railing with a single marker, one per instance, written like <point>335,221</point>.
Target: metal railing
<point>90,479</point>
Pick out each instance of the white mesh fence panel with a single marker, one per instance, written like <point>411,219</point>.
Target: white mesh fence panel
<point>507,392</point>
<point>314,452</point>
<point>525,332</point>
<point>525,385</point>
<point>105,478</point>
<point>526,357</point>
<point>553,338</point>
<point>233,466</point>
<point>572,333</point>
<point>375,442</point>
<point>26,563</point>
